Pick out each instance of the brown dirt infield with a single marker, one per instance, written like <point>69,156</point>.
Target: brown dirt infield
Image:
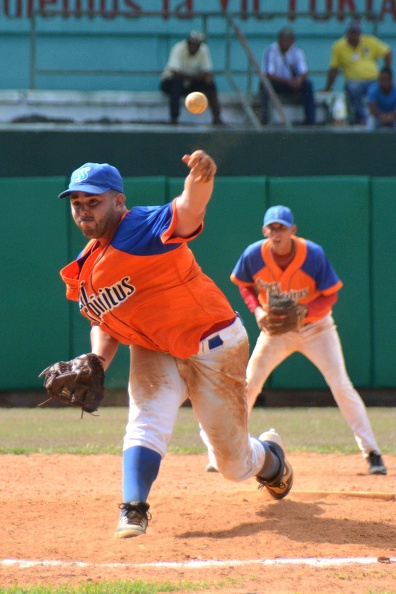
<point>64,508</point>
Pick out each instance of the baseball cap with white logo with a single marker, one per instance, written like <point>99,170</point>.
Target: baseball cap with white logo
<point>94,178</point>
<point>279,214</point>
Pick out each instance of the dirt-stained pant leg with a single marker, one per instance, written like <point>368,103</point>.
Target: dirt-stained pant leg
<point>320,343</point>
<point>156,392</point>
<point>322,346</point>
<point>267,354</point>
<point>216,381</point>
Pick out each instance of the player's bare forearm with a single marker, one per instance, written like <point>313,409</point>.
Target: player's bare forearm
<point>198,188</point>
<point>103,345</point>
<point>331,76</point>
<point>260,316</point>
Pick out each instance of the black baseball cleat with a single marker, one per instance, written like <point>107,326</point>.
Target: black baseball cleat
<point>376,464</point>
<point>134,519</point>
<point>279,485</point>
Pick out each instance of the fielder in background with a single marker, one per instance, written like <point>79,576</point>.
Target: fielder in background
<point>285,264</point>
<point>138,283</point>
<point>189,69</point>
<point>357,55</point>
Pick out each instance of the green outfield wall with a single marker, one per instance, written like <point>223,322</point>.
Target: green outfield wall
<point>352,217</point>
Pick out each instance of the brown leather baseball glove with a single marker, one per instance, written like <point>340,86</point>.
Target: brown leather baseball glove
<point>284,314</point>
<point>79,382</point>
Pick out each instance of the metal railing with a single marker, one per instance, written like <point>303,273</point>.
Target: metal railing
<point>36,36</point>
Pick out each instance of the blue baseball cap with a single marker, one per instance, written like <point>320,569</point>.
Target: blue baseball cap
<point>94,178</point>
<point>279,214</point>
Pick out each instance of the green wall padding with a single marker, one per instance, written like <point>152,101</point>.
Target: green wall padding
<point>350,216</point>
<point>384,280</point>
<point>34,321</point>
<point>333,212</point>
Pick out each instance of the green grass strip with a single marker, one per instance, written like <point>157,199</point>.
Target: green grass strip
<point>62,431</point>
<point>129,587</point>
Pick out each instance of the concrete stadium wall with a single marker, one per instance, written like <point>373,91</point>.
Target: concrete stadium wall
<point>350,216</point>
<point>54,43</point>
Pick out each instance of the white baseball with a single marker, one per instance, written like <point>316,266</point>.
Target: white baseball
<point>196,102</point>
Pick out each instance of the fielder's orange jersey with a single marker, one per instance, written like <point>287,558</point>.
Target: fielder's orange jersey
<point>145,287</point>
<point>308,275</point>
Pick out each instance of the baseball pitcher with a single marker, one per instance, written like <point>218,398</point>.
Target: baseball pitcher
<point>137,283</point>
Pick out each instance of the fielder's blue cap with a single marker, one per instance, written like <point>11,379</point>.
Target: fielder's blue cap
<point>94,178</point>
<point>279,214</point>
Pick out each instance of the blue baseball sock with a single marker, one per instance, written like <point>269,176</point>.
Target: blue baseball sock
<point>140,468</point>
<point>271,463</point>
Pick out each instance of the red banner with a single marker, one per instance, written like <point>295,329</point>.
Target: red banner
<point>318,10</point>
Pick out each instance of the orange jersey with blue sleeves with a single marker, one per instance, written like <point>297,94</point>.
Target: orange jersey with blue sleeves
<point>145,287</point>
<point>308,275</point>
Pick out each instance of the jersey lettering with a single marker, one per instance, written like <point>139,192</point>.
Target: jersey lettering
<point>276,288</point>
<point>108,298</point>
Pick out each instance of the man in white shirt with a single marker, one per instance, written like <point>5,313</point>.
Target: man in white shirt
<point>189,69</point>
<point>285,66</point>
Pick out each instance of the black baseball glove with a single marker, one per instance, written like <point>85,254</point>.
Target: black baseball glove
<point>79,382</point>
<point>284,314</point>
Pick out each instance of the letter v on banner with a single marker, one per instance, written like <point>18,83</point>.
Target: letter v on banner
<point>185,9</point>
<point>388,6</point>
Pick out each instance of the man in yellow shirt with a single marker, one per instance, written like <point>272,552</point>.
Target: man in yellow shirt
<point>356,55</point>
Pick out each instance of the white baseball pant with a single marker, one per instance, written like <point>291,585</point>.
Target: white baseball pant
<point>215,382</point>
<point>320,343</point>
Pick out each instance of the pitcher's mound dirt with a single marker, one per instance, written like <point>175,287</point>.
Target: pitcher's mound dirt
<point>64,508</point>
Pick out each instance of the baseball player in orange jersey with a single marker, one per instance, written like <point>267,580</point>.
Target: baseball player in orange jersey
<point>138,283</point>
<point>285,264</point>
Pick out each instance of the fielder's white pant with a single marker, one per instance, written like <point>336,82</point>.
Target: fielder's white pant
<point>320,343</point>
<point>215,382</point>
